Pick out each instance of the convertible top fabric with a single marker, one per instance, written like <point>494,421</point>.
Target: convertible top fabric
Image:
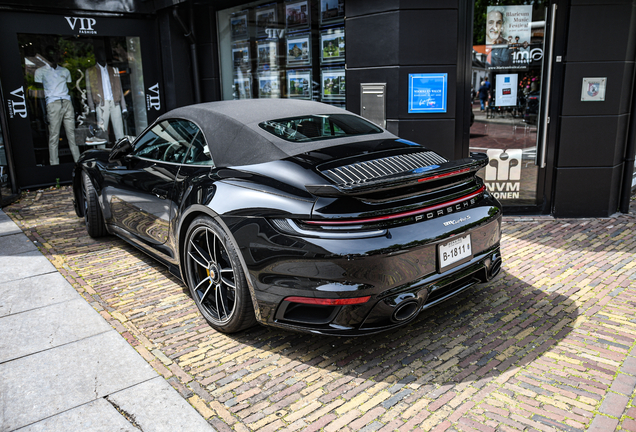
<point>234,137</point>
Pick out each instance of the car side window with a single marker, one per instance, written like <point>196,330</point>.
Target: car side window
<point>199,152</point>
<point>168,141</point>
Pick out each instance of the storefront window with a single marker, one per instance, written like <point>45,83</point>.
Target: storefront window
<point>507,68</point>
<point>288,49</point>
<point>82,93</point>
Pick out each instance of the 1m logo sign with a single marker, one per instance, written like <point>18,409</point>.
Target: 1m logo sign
<point>503,173</point>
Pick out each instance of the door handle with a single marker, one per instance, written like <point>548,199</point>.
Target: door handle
<point>160,193</point>
<point>545,119</point>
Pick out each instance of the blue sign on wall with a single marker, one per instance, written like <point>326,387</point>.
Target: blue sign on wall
<point>428,92</point>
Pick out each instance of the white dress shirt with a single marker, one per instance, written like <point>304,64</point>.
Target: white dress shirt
<point>106,88</point>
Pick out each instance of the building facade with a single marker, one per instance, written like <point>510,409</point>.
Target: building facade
<point>556,119</point>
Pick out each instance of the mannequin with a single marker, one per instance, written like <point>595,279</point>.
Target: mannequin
<point>105,95</point>
<point>59,108</point>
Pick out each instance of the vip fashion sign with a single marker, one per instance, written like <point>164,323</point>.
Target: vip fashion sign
<point>83,25</point>
<point>17,103</point>
<point>153,99</point>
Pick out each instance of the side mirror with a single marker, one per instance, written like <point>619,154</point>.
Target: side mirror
<point>122,148</point>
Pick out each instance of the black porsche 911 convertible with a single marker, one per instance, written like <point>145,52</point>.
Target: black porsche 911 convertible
<point>295,214</point>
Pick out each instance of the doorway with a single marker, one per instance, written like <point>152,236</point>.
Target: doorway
<point>509,89</point>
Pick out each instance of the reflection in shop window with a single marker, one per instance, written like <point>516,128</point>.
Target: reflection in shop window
<point>82,93</point>
<point>285,49</point>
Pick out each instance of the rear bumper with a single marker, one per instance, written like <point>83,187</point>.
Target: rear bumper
<point>399,272</point>
<point>391,309</point>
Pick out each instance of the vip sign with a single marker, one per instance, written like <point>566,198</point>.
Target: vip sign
<point>83,25</point>
<point>17,106</point>
<point>503,173</point>
<point>153,99</point>
<point>275,33</point>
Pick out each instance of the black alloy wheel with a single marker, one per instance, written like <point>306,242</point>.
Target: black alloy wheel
<point>92,212</point>
<point>215,277</point>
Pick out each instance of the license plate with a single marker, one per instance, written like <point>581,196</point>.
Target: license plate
<point>454,251</point>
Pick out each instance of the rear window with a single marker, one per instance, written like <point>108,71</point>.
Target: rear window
<point>319,127</point>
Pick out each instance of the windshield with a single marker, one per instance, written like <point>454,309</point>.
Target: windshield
<point>318,127</point>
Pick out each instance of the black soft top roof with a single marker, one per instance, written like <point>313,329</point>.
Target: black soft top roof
<point>234,137</point>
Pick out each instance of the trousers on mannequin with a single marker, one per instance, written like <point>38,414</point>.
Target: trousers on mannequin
<point>110,111</point>
<point>105,96</point>
<point>58,112</point>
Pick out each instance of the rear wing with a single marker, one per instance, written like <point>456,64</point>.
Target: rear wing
<point>410,169</point>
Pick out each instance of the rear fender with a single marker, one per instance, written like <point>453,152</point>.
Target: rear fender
<point>188,216</point>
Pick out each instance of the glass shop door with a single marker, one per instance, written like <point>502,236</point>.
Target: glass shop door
<point>508,92</point>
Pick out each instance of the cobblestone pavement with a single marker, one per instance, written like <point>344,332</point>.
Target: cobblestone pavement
<point>548,345</point>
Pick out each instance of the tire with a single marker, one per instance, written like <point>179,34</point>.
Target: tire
<point>92,212</point>
<point>215,277</point>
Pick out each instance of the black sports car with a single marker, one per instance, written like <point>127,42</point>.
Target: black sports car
<point>295,214</point>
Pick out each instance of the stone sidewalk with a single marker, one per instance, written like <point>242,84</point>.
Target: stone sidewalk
<point>62,367</point>
<point>547,345</point>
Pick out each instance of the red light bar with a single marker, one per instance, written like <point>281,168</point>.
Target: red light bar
<point>402,214</point>
<point>439,176</point>
<point>328,302</point>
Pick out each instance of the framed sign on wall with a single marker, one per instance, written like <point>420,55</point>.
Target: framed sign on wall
<point>428,93</point>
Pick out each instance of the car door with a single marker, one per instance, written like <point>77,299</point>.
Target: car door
<point>140,192</point>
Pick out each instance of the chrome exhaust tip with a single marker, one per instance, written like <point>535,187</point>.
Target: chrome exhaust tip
<point>495,268</point>
<point>405,311</point>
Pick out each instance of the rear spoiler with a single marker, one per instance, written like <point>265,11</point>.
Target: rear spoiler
<point>361,178</point>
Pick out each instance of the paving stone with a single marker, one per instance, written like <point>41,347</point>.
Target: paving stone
<point>602,424</point>
<point>16,244</point>
<point>614,404</point>
<point>34,292</point>
<point>7,226</point>
<point>624,384</point>
<point>48,327</point>
<point>629,425</point>
<point>75,374</point>
<point>96,416</point>
<point>24,265</point>
<point>157,407</point>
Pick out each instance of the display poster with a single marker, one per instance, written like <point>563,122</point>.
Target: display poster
<point>267,54</point>
<point>241,57</point>
<point>506,90</point>
<point>238,25</point>
<point>265,18</point>
<point>268,85</point>
<point>508,36</point>
<point>428,93</point>
<point>332,46</point>
<point>243,86</point>
<point>333,84</point>
<point>331,11</point>
<point>297,15</point>
<point>298,50</point>
<point>299,84</point>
